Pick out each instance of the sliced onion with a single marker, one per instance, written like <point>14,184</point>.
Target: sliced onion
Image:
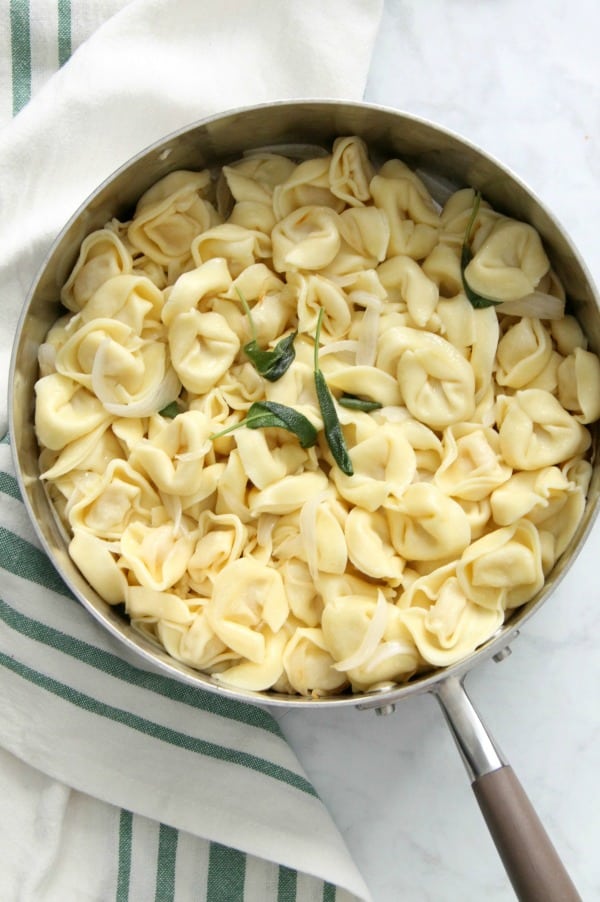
<point>537,305</point>
<point>369,333</point>
<point>174,509</point>
<point>371,638</point>
<point>389,650</point>
<point>308,531</point>
<point>266,525</point>
<point>198,454</point>
<point>342,279</point>
<point>338,347</point>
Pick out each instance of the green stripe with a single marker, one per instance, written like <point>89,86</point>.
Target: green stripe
<point>125,843</point>
<point>165,874</point>
<point>28,562</point>
<point>9,486</point>
<point>226,874</point>
<point>21,53</point>
<point>158,731</point>
<point>120,669</point>
<point>64,31</point>
<point>329,892</point>
<point>286,889</point>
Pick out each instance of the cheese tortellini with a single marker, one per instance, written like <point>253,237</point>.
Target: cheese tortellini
<point>254,556</point>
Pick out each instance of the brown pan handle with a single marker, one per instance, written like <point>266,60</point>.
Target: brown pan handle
<point>531,861</point>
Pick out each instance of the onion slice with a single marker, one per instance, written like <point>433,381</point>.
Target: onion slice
<point>369,333</point>
<point>389,650</point>
<point>371,639</point>
<point>536,305</point>
<point>264,532</point>
<point>308,531</point>
<point>339,347</point>
<point>198,454</point>
<point>174,508</point>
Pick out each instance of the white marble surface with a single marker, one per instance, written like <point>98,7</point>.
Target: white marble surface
<point>522,81</point>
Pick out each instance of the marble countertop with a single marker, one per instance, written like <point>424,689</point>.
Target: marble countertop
<point>522,80</point>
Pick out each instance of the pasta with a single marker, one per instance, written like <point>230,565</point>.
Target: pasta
<point>282,436</point>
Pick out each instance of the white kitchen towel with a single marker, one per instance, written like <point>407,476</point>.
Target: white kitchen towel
<point>150,69</point>
<point>118,782</point>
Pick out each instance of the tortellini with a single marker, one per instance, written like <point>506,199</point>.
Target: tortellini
<point>65,411</point>
<point>102,255</point>
<point>247,597</point>
<point>309,665</point>
<point>578,378</point>
<point>412,215</point>
<point>131,376</point>
<point>131,299</point>
<point>384,466</point>
<point>307,239</point>
<point>523,352</point>
<point>370,547</point>
<point>368,640</point>
<point>254,178</point>
<point>536,431</point>
<point>509,263</point>
<point>472,466</point>
<point>308,184</point>
<point>247,549</point>
<point>203,347</point>
<point>350,171</point>
<point>427,525</point>
<point>502,569</point>
<point>170,215</point>
<point>436,381</point>
<point>239,246</point>
<point>174,459</point>
<point>106,506</point>
<point>444,623</point>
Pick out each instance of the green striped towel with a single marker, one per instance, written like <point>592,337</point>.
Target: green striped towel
<point>117,781</point>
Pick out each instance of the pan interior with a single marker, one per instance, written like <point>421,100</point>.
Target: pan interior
<point>444,161</point>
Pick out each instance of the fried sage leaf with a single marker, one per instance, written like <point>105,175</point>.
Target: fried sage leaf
<point>271,364</point>
<point>331,424</point>
<point>265,414</point>
<point>171,410</point>
<point>352,402</point>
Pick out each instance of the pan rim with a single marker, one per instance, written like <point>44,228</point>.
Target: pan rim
<point>151,655</point>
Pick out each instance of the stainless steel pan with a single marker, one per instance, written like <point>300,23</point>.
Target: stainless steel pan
<point>446,162</point>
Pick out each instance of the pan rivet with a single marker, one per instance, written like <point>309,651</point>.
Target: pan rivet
<point>502,654</point>
<point>385,709</point>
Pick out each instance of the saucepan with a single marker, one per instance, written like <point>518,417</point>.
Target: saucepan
<point>445,162</point>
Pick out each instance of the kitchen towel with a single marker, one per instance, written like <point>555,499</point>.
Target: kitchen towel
<point>117,781</point>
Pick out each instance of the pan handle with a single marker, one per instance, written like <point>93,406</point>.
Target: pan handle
<point>531,861</point>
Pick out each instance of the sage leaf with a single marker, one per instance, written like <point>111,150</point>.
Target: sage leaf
<point>271,364</point>
<point>354,403</point>
<point>331,424</point>
<point>266,414</point>
<point>170,411</point>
